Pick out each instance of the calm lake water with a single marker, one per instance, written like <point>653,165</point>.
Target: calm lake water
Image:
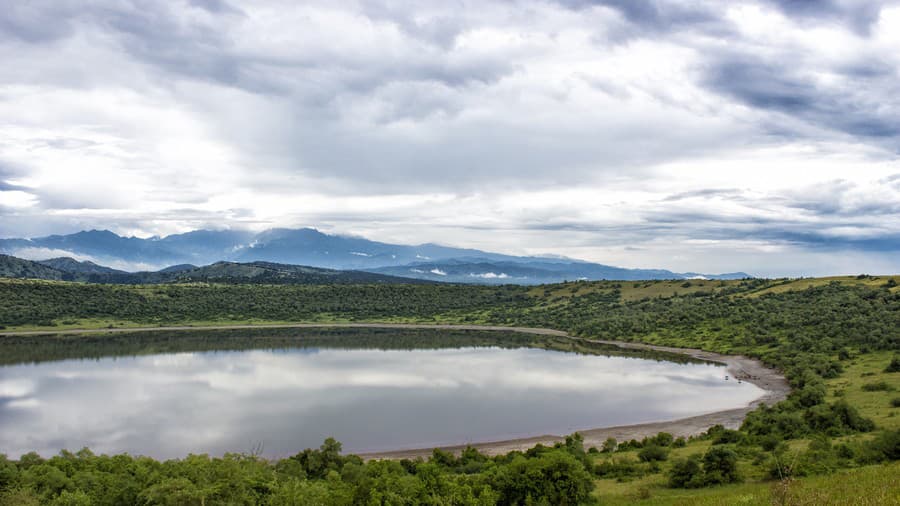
<point>286,400</point>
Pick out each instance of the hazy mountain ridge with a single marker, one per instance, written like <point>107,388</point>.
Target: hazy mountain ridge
<point>67,264</point>
<point>310,247</point>
<point>67,269</point>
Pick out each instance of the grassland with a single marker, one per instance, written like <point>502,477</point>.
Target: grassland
<point>865,486</point>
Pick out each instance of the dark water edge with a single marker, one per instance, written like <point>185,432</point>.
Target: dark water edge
<point>34,349</point>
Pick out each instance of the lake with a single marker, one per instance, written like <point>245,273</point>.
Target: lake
<point>282,401</point>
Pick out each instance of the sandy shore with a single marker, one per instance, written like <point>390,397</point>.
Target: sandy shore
<point>772,382</point>
<point>741,368</point>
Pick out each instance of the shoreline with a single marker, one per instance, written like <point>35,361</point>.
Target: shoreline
<point>772,382</point>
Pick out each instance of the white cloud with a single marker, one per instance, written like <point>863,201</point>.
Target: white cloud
<point>489,275</point>
<point>115,263</point>
<point>527,127</point>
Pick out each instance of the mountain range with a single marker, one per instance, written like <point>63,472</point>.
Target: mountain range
<point>307,247</point>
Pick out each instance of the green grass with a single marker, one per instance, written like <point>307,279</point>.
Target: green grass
<point>867,369</point>
<point>804,283</point>
<point>870,485</point>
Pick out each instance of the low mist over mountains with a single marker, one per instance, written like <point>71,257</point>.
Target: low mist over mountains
<point>305,247</point>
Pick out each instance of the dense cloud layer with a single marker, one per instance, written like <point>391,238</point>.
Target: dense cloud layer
<point>759,136</point>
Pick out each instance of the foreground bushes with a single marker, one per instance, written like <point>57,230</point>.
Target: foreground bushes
<point>544,475</point>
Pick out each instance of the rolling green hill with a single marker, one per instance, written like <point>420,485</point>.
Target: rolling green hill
<point>12,267</point>
<point>68,269</point>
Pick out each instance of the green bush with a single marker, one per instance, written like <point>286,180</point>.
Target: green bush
<point>686,473</point>
<point>653,453</point>
<point>728,436</point>
<point>838,418</point>
<point>880,386</point>
<point>894,366</point>
<point>617,468</point>
<point>610,445</point>
<point>661,439</point>
<point>718,466</point>
<point>555,478</point>
<point>810,395</point>
<point>885,446</point>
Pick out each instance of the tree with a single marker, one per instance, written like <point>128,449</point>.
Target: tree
<point>610,445</point>
<point>686,473</point>
<point>720,466</point>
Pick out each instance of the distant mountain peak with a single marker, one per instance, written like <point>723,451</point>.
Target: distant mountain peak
<point>312,247</point>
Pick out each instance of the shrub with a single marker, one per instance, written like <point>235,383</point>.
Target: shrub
<point>653,453</point>
<point>617,468</point>
<point>610,445</point>
<point>686,473</point>
<point>631,444</point>
<point>886,446</point>
<point>720,466</point>
<point>895,402</point>
<point>894,366</point>
<point>851,418</point>
<point>810,395</point>
<point>661,439</point>
<point>554,477</point>
<point>727,436</point>
<point>837,418</point>
<point>769,442</point>
<point>879,386</point>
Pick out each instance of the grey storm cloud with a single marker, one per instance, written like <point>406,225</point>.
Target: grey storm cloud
<point>859,15</point>
<point>653,14</point>
<point>198,112</point>
<point>780,87</point>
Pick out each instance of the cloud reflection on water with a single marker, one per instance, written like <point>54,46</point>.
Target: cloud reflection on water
<point>168,405</point>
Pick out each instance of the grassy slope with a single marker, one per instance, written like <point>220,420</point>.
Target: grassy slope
<point>867,485</point>
<point>870,485</point>
<point>867,369</point>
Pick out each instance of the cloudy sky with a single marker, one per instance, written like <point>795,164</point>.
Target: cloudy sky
<point>708,136</point>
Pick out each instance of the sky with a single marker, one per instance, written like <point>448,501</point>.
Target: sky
<point>695,136</point>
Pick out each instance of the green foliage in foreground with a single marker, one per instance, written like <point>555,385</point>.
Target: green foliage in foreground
<point>557,476</point>
<point>560,475</point>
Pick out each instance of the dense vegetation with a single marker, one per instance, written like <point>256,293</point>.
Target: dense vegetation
<point>46,304</point>
<point>836,340</point>
<point>557,476</point>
